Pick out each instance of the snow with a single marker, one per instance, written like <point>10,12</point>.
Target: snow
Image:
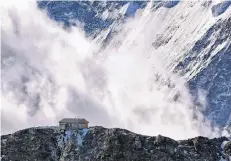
<point>185,152</point>
<point>46,127</point>
<point>4,141</point>
<point>80,136</point>
<point>79,140</point>
<point>109,15</point>
<point>222,147</point>
<point>223,144</point>
<point>123,9</point>
<point>105,15</point>
<point>67,136</point>
<point>85,131</point>
<point>60,141</point>
<point>222,159</point>
<point>2,157</point>
<point>64,138</point>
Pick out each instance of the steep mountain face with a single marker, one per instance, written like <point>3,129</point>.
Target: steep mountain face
<point>211,57</point>
<point>208,55</point>
<point>98,143</point>
<point>47,72</point>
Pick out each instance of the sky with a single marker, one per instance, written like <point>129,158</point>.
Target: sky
<point>49,73</point>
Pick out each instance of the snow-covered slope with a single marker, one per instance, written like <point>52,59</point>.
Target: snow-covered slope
<point>131,70</point>
<point>194,36</point>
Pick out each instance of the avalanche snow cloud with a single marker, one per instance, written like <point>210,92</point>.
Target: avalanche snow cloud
<point>50,71</point>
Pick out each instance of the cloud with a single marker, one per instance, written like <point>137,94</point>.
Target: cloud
<point>49,73</point>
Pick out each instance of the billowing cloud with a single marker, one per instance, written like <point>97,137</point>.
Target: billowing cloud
<point>49,73</point>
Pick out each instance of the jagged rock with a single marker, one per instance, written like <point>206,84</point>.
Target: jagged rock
<point>98,143</point>
<point>227,148</point>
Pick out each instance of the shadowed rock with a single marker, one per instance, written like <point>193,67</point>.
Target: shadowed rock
<point>98,143</point>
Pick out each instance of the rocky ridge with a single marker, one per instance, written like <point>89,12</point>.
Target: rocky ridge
<point>99,143</point>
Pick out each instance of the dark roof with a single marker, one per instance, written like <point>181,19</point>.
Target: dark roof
<point>73,120</point>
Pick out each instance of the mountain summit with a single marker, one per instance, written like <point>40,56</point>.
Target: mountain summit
<point>99,143</point>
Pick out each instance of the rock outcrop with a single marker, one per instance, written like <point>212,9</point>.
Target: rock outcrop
<point>98,143</point>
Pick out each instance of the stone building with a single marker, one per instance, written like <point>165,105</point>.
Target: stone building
<point>73,123</point>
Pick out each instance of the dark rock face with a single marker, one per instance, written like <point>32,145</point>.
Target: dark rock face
<point>98,143</point>
<point>227,148</point>
<point>214,78</point>
<point>87,12</point>
<point>30,144</point>
<point>220,8</point>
